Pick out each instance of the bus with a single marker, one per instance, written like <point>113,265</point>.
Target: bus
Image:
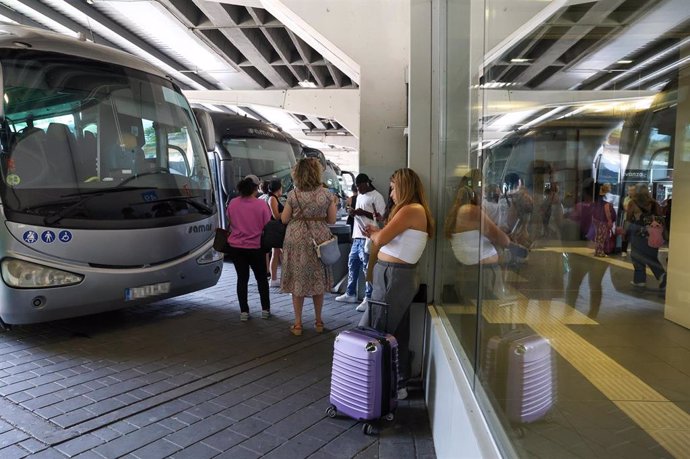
<point>106,194</point>
<point>654,139</point>
<point>246,146</point>
<point>562,157</point>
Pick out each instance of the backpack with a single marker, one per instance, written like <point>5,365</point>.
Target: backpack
<point>655,234</point>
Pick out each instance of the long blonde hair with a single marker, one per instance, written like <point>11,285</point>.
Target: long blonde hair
<point>409,190</point>
<point>307,174</point>
<point>467,194</point>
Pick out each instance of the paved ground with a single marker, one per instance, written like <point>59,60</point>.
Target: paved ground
<point>185,378</point>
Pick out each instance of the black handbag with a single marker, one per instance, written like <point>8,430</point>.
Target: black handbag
<point>273,235</point>
<point>220,240</point>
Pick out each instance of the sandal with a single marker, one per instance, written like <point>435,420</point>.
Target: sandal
<point>318,326</point>
<point>296,330</point>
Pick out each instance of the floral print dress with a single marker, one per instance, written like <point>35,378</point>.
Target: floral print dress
<point>303,274</point>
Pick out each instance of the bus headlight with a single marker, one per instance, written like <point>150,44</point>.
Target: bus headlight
<point>23,274</point>
<point>210,256</point>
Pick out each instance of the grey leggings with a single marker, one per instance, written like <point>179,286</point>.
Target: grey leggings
<point>396,285</point>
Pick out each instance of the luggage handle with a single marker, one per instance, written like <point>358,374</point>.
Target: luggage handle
<point>391,387</point>
<point>370,309</point>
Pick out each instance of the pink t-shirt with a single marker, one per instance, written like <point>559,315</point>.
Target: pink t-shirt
<point>248,216</point>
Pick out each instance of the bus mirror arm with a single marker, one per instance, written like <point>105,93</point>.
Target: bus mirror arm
<point>205,123</point>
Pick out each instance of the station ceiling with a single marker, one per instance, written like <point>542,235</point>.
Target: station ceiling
<point>206,45</point>
<point>576,53</point>
<point>573,46</point>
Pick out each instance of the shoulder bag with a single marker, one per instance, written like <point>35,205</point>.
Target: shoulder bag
<point>327,251</point>
<point>273,235</point>
<point>220,240</point>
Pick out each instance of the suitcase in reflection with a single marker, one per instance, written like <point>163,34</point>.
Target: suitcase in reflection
<point>364,376</point>
<point>520,369</point>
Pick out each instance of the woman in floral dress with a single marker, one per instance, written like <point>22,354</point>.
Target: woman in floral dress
<point>308,210</point>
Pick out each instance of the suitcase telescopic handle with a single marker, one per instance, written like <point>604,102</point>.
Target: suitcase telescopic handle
<point>370,309</point>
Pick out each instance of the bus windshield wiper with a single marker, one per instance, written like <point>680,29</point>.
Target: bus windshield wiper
<point>203,208</point>
<point>84,197</point>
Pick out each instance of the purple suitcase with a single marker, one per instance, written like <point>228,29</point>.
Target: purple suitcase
<point>521,371</point>
<point>364,375</point>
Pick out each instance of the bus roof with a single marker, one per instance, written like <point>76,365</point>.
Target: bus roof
<point>18,37</point>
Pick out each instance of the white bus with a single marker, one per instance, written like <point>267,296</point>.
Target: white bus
<point>106,195</point>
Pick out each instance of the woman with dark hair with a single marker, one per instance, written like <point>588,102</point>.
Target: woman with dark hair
<point>308,211</point>
<point>642,210</point>
<point>275,191</point>
<point>247,217</point>
<point>401,243</point>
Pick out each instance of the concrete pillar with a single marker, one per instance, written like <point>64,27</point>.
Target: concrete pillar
<point>375,35</point>
<point>677,308</point>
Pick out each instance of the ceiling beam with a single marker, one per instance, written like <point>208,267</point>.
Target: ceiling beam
<point>242,39</point>
<point>591,19</point>
<point>341,105</point>
<point>20,18</point>
<point>316,122</point>
<point>104,20</point>
<point>335,74</point>
<point>67,22</point>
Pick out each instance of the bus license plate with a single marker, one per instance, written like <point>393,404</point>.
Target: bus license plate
<point>136,293</point>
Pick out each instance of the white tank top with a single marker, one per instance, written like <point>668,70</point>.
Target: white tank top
<point>407,246</point>
<point>470,247</point>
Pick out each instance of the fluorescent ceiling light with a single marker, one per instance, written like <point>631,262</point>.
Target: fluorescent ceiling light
<point>624,61</point>
<point>519,60</point>
<point>307,84</point>
<point>40,18</point>
<point>509,120</point>
<point>278,117</point>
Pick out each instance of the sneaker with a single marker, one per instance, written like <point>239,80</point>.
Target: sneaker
<point>638,284</point>
<point>265,314</point>
<point>402,394</point>
<point>345,298</point>
<point>244,316</point>
<point>362,306</point>
<point>274,283</point>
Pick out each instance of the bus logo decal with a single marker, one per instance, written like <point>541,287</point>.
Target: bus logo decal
<point>48,237</point>
<point>30,237</point>
<point>65,236</point>
<point>199,228</point>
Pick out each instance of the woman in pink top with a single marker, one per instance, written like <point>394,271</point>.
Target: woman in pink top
<point>248,216</point>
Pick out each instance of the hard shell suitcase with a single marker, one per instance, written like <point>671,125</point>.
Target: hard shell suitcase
<point>521,372</point>
<point>364,375</point>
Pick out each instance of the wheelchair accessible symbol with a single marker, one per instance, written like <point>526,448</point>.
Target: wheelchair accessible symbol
<point>48,237</point>
<point>30,237</point>
<point>65,236</point>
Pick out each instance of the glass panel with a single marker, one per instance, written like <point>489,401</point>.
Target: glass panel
<point>83,142</point>
<point>263,157</point>
<point>558,278</point>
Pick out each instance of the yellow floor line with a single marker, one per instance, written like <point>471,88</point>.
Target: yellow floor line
<point>660,418</point>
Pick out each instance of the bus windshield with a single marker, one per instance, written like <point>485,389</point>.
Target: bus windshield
<point>89,143</point>
<point>265,158</point>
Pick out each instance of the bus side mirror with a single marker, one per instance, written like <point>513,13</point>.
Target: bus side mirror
<point>205,122</point>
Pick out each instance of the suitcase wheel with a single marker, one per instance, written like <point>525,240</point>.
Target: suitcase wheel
<point>389,417</point>
<point>367,429</point>
<point>331,411</point>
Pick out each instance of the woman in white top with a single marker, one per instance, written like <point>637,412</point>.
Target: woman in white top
<point>474,237</point>
<point>401,241</point>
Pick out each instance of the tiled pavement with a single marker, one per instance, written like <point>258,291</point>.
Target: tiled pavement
<point>185,378</point>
